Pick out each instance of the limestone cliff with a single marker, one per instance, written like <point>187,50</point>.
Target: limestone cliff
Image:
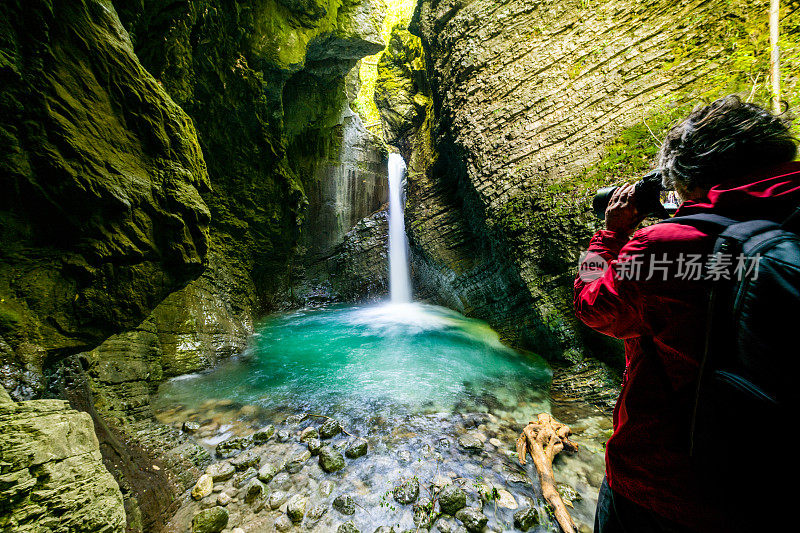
<point>100,213</point>
<point>535,105</point>
<point>51,474</point>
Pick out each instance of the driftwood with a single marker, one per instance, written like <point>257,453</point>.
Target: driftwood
<point>543,439</point>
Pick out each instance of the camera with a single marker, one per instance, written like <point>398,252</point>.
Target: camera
<point>647,194</point>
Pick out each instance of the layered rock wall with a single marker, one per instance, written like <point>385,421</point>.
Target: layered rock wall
<point>535,104</point>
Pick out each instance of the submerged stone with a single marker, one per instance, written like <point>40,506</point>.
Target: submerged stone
<point>314,446</point>
<point>296,508</point>
<point>348,527</point>
<point>330,460</point>
<point>246,460</point>
<point>356,449</point>
<point>232,446</point>
<point>263,434</point>
<point>473,519</point>
<point>267,472</point>
<point>407,491</point>
<point>526,518</point>
<point>452,498</point>
<point>308,434</point>
<point>211,520</point>
<point>471,442</point>
<point>253,491</point>
<point>282,523</point>
<point>190,426</point>
<point>296,462</point>
<point>276,499</point>
<point>344,504</point>
<point>329,429</point>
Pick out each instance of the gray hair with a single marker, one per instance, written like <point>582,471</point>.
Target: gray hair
<point>724,141</point>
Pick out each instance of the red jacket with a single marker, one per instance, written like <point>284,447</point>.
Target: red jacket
<point>663,325</point>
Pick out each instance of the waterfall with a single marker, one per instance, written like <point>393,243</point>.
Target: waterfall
<point>399,279</point>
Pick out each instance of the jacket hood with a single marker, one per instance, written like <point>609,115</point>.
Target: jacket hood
<point>772,194</point>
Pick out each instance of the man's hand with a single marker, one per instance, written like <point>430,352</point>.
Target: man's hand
<point>621,214</point>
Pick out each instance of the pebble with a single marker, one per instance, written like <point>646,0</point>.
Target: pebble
<point>276,499</point>
<point>221,471</point>
<point>283,435</point>
<point>526,518</point>
<point>232,446</point>
<point>296,508</point>
<point>282,481</point>
<point>473,519</point>
<point>253,491</point>
<point>203,487</point>
<point>263,434</point>
<point>211,520</point>
<point>471,442</point>
<point>295,462</point>
<point>348,527</point>
<point>223,499</point>
<point>452,498</point>
<point>330,428</point>
<point>314,446</point>
<point>241,478</point>
<point>407,491</point>
<point>267,472</point>
<point>325,488</point>
<point>506,499</point>
<point>190,426</point>
<point>497,443</point>
<point>344,504</point>
<point>282,523</point>
<point>330,460</point>
<point>245,460</point>
<point>356,449</point>
<point>309,433</point>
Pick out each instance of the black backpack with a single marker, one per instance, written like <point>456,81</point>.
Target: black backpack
<point>748,383</point>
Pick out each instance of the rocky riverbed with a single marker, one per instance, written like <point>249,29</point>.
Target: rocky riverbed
<point>440,471</point>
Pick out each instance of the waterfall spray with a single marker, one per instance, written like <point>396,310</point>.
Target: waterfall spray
<point>399,278</point>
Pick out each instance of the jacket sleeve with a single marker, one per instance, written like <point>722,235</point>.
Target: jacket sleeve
<point>607,295</point>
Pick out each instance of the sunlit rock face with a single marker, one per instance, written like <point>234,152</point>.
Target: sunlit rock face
<point>535,105</point>
<point>101,177</point>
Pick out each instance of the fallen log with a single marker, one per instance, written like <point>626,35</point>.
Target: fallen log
<point>543,440</point>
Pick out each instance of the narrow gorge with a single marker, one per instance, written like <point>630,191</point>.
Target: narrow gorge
<point>199,326</point>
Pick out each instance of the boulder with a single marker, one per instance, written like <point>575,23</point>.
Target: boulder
<point>356,449</point>
<point>330,460</point>
<point>452,498</point>
<point>211,520</point>
<point>345,504</point>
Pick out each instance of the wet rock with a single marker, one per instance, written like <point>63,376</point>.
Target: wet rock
<point>325,488</point>
<point>445,526</point>
<point>220,471</point>
<point>241,478</point>
<point>348,527</point>
<point>404,456</point>
<point>223,499</point>
<point>314,446</point>
<point>330,428</point>
<point>316,512</point>
<point>497,443</point>
<point>473,519</point>
<point>296,508</point>
<point>384,529</point>
<point>282,523</point>
<point>506,499</point>
<point>407,492</point>
<point>344,504</point>
<point>423,514</point>
<point>516,477</point>
<point>190,426</point>
<point>282,481</point>
<point>211,520</point>
<point>232,446</point>
<point>526,518</point>
<point>276,499</point>
<point>452,498</point>
<point>283,435</point>
<point>471,442</point>
<point>293,420</point>
<point>330,460</point>
<point>208,502</point>
<point>567,493</point>
<point>237,530</point>
<point>296,462</point>
<point>263,434</point>
<point>245,460</point>
<point>203,487</point>
<point>253,491</point>
<point>309,433</point>
<point>356,449</point>
<point>267,472</point>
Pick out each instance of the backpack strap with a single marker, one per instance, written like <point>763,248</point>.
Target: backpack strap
<point>703,221</point>
<point>793,222</point>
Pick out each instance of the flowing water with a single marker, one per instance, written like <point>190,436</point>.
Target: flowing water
<point>437,396</point>
<point>399,278</point>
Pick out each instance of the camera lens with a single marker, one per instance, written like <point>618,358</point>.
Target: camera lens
<point>600,202</point>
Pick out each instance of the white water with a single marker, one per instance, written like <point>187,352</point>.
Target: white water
<point>399,278</point>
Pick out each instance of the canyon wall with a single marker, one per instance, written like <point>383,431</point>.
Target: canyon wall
<point>168,175</point>
<point>535,105</point>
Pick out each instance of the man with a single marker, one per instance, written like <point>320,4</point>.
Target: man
<point>730,158</point>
